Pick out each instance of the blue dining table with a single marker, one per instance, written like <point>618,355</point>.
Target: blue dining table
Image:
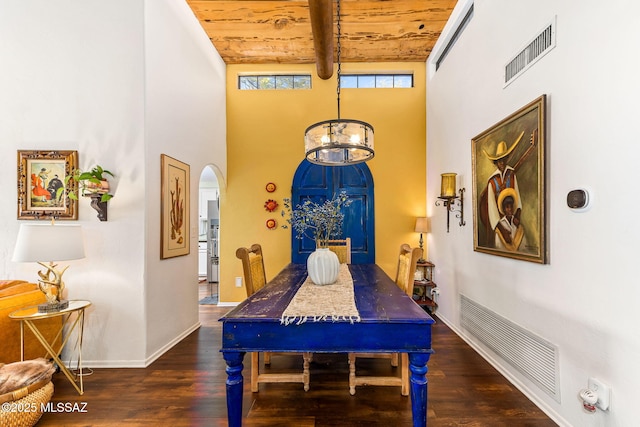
<point>390,322</point>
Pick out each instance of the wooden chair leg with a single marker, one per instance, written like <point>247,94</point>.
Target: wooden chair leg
<point>306,358</point>
<point>404,369</point>
<point>267,358</point>
<point>352,374</point>
<point>394,360</point>
<point>255,371</point>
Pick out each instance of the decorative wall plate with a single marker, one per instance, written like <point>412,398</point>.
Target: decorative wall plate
<point>271,224</point>
<point>271,205</point>
<point>271,187</point>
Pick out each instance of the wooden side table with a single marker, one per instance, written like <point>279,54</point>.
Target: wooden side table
<point>30,316</point>
<point>422,286</point>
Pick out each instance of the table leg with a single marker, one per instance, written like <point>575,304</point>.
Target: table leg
<point>22,340</point>
<point>418,368</point>
<point>80,336</point>
<point>235,387</point>
<point>54,354</point>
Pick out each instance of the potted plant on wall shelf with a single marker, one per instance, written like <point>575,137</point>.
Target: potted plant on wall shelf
<point>321,223</point>
<point>93,183</point>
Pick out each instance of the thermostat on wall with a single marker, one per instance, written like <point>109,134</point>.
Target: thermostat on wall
<point>578,199</point>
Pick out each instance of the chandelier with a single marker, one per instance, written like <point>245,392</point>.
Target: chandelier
<point>339,142</point>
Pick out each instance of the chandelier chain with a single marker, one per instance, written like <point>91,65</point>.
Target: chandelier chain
<point>339,142</point>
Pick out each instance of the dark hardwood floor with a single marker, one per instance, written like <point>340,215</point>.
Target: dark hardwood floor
<point>186,387</point>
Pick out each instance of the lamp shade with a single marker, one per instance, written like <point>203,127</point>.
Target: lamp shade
<point>48,242</point>
<point>448,186</point>
<point>422,225</point>
<point>339,142</point>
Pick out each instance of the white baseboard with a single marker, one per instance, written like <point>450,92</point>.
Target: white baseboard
<point>227,304</point>
<point>140,363</point>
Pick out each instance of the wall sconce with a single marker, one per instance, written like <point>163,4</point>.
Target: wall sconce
<point>448,197</point>
<point>99,205</point>
<point>422,226</point>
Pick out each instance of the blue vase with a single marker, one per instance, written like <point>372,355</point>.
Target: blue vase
<point>323,266</point>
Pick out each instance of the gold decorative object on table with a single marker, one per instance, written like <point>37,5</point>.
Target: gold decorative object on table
<point>52,288</point>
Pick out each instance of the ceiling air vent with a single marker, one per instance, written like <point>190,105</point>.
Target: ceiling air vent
<point>534,50</point>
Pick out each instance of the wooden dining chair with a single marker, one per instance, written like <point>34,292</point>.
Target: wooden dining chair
<point>342,248</point>
<point>407,260</point>
<point>255,279</point>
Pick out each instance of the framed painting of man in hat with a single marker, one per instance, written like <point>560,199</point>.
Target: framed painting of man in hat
<point>509,186</point>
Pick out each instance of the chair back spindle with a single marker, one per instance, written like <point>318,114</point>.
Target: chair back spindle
<point>253,268</point>
<point>342,248</point>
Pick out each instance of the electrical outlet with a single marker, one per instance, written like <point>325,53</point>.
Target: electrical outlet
<point>603,391</point>
<point>238,282</point>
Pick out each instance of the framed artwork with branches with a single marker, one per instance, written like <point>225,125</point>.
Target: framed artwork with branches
<point>509,195</point>
<point>174,232</point>
<point>41,184</point>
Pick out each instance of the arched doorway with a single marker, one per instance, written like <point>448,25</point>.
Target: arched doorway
<point>320,183</point>
<point>208,236</point>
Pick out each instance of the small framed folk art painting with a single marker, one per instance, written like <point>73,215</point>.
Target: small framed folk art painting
<point>41,184</point>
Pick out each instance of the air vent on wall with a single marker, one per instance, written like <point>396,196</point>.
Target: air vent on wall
<point>530,354</point>
<point>451,40</point>
<point>534,50</point>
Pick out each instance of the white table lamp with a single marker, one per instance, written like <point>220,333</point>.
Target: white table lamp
<point>49,242</point>
<point>422,226</point>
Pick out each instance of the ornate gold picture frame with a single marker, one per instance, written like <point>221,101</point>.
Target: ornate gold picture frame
<point>509,195</point>
<point>41,175</point>
<point>174,232</point>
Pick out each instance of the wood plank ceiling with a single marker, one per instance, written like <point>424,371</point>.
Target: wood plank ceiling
<point>279,31</point>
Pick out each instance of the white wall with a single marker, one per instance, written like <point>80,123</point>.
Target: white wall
<point>185,98</point>
<point>88,76</point>
<point>71,81</point>
<point>585,299</point>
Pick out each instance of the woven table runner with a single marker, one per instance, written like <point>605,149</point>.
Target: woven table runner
<point>316,303</point>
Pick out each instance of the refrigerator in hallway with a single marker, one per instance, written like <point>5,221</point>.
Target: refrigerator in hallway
<point>213,241</point>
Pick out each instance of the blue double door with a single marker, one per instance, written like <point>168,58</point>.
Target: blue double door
<point>320,183</point>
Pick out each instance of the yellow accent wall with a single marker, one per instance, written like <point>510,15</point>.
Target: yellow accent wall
<point>265,143</point>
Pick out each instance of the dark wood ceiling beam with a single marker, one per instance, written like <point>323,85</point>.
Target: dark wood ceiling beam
<point>321,13</point>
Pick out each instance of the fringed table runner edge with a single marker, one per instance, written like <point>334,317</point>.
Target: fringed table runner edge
<point>319,303</point>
